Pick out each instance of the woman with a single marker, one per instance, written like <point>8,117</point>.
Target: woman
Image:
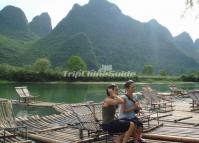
<point>111,124</point>
<point>130,108</point>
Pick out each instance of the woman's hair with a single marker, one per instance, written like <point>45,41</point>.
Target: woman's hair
<point>128,83</point>
<point>110,87</point>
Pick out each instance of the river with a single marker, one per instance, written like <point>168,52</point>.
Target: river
<point>71,93</point>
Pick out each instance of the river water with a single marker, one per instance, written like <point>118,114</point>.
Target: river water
<point>71,93</point>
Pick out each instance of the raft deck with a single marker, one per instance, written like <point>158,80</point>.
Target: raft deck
<point>179,125</point>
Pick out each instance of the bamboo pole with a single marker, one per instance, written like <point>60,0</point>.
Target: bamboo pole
<point>171,138</point>
<point>153,128</point>
<point>43,139</point>
<point>183,118</point>
<point>162,116</point>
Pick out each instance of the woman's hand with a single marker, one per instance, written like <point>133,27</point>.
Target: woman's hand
<point>112,93</point>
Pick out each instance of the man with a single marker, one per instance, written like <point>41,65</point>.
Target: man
<point>130,108</point>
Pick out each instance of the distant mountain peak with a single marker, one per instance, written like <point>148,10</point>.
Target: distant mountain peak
<point>98,1</point>
<point>76,5</point>
<point>13,17</point>
<point>184,36</point>
<point>96,11</point>
<point>153,21</point>
<point>154,26</point>
<point>41,24</point>
<point>10,8</point>
<point>196,43</point>
<point>104,4</point>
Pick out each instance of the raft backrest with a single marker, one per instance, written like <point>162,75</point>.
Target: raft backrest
<point>7,119</point>
<point>24,94</point>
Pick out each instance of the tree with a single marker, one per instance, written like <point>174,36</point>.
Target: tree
<point>76,63</point>
<point>163,73</point>
<point>197,73</point>
<point>41,65</point>
<point>148,70</point>
<point>191,3</point>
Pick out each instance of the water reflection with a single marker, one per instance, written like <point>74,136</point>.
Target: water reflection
<point>24,111</point>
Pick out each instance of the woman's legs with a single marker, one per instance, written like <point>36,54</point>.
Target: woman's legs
<point>139,135</point>
<point>139,132</point>
<point>129,132</point>
<point>119,139</point>
<point>139,128</point>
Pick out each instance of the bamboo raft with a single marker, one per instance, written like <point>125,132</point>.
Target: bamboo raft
<point>174,129</point>
<point>11,138</point>
<point>179,125</point>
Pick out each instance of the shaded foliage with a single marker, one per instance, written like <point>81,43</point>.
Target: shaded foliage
<point>41,65</point>
<point>190,78</point>
<point>148,70</point>
<point>163,73</point>
<point>76,63</point>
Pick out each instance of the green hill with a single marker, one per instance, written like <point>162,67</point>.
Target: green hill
<point>16,35</point>
<point>10,50</point>
<point>185,44</point>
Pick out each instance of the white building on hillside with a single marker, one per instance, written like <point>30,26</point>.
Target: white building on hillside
<point>105,68</point>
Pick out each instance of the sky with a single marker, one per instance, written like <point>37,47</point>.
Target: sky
<point>169,13</point>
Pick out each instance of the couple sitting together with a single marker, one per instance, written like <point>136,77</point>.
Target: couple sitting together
<point>127,123</point>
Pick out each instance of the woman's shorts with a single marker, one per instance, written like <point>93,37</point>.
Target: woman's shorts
<point>135,120</point>
<point>116,126</point>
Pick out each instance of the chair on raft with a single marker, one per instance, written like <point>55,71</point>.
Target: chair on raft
<point>176,91</point>
<point>24,94</point>
<point>89,116</point>
<point>155,101</point>
<point>84,114</point>
<point>194,95</point>
<point>9,131</point>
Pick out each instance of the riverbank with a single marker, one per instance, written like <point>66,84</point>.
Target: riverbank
<point>106,78</point>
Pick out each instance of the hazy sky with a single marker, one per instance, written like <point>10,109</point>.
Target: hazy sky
<point>166,12</point>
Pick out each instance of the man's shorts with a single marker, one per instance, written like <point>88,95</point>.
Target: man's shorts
<point>135,120</point>
<point>116,126</point>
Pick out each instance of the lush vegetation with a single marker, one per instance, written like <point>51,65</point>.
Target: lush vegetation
<point>41,71</point>
<point>190,77</point>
